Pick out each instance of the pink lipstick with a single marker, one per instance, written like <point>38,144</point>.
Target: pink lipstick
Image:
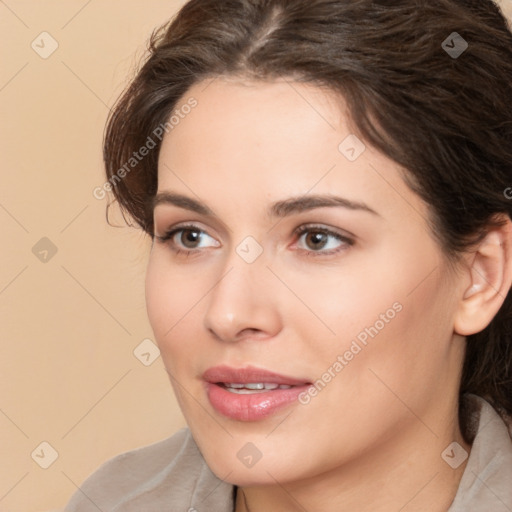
<point>250,394</point>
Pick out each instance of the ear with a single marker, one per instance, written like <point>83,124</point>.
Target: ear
<point>490,277</point>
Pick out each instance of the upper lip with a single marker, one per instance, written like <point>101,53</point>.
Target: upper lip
<point>249,374</point>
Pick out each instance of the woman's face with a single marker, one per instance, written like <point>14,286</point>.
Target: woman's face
<point>298,258</point>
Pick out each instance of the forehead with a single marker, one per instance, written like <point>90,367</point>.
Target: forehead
<point>235,120</point>
<point>255,141</point>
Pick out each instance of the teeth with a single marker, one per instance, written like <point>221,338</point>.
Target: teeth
<point>257,385</point>
<point>251,387</point>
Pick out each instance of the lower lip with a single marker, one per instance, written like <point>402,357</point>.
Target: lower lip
<point>254,406</point>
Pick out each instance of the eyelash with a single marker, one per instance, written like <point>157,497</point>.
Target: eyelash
<point>167,237</point>
<point>348,242</point>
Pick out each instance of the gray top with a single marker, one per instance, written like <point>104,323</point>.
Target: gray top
<point>172,476</point>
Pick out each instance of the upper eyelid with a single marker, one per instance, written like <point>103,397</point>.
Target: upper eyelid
<point>299,231</point>
<point>213,220</point>
<point>346,239</point>
<point>285,210</point>
<point>170,232</point>
<point>321,227</point>
<point>300,228</point>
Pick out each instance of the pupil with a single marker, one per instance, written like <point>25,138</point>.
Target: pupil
<point>189,237</point>
<point>318,239</point>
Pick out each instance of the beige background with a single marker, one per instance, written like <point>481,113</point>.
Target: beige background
<point>69,325</point>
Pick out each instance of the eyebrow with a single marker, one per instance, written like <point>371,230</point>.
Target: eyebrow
<point>281,208</point>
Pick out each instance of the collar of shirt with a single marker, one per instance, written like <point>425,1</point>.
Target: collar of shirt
<point>172,474</point>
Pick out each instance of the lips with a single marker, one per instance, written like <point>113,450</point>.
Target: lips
<point>250,394</point>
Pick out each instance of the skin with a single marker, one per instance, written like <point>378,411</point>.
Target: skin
<point>372,439</point>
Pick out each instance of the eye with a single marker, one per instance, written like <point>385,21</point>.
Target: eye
<point>321,240</point>
<point>313,240</point>
<point>188,239</point>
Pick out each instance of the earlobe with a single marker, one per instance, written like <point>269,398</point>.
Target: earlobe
<point>490,279</point>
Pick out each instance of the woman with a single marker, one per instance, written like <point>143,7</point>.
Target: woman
<point>325,185</point>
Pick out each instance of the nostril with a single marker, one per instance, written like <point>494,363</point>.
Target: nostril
<point>250,332</point>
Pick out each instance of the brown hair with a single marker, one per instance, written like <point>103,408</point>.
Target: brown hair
<point>445,118</point>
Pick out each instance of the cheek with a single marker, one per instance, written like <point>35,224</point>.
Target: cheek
<point>402,353</point>
<point>392,318</point>
<point>170,299</point>
<point>158,296</point>
<point>338,304</point>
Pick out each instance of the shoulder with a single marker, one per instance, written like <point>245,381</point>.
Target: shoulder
<point>167,475</point>
<point>486,482</point>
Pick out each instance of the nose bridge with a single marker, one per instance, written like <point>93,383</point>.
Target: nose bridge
<point>241,301</point>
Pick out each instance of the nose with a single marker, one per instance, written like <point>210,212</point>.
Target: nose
<point>243,303</point>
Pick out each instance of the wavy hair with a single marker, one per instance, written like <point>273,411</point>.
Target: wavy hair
<point>444,117</point>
